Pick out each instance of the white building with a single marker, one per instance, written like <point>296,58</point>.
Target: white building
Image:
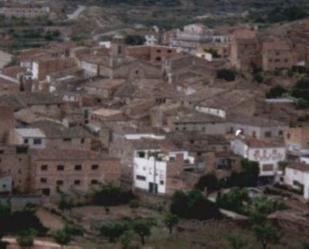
<point>266,152</point>
<point>297,177</point>
<point>33,137</point>
<point>151,169</point>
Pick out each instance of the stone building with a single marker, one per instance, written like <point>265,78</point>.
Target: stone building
<point>244,49</point>
<point>277,54</point>
<point>15,163</point>
<point>71,171</point>
<point>7,122</point>
<point>297,138</point>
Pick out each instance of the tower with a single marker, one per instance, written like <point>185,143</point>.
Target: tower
<point>117,50</point>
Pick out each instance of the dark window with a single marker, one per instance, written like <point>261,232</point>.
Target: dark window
<point>82,140</point>
<point>59,182</point>
<point>94,182</point>
<point>78,167</point>
<point>77,182</point>
<point>60,167</point>
<point>141,154</point>
<point>67,139</point>
<point>26,141</point>
<point>44,167</point>
<point>267,134</point>
<point>46,191</point>
<point>162,182</point>
<point>37,141</point>
<point>43,180</point>
<point>280,133</point>
<point>1,151</point>
<point>141,178</point>
<point>94,167</point>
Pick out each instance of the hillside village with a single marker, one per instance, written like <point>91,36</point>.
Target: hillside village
<point>146,138</point>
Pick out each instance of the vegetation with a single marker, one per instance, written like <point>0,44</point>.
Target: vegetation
<point>301,92</point>
<point>226,74</point>
<point>25,238</point>
<point>193,205</point>
<point>62,237</point>
<point>134,40</point>
<point>236,200</point>
<point>109,195</point>
<point>170,221</point>
<point>208,182</point>
<point>276,92</point>
<point>237,241</point>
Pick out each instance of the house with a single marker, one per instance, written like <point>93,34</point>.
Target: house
<point>32,137</point>
<point>297,177</point>
<point>154,169</point>
<point>244,49</point>
<point>277,54</point>
<point>268,153</point>
<point>297,138</point>
<point>58,136</point>
<point>71,171</point>
<point>15,168</point>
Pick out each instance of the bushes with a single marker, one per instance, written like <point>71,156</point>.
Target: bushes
<point>208,181</point>
<point>110,195</point>
<point>234,200</point>
<point>276,92</point>
<point>193,205</point>
<point>226,74</point>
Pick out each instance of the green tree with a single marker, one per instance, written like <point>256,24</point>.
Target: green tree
<point>237,241</point>
<point>170,221</point>
<point>266,234</point>
<point>208,181</point>
<point>113,231</point>
<point>127,239</point>
<point>25,239</point>
<point>62,237</point>
<point>143,229</point>
<point>135,40</point>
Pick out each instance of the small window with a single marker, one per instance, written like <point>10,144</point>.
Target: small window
<point>37,141</point>
<point>77,182</point>
<point>94,182</point>
<point>67,139</point>
<point>26,141</point>
<point>60,167</point>
<point>141,178</point>
<point>162,182</point>
<point>44,167</point>
<point>82,141</point>
<point>59,182</point>
<point>267,134</point>
<point>94,167</point>
<point>43,180</point>
<point>78,167</point>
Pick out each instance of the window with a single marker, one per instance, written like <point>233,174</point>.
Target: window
<point>267,134</point>
<point>67,139</point>
<point>82,141</point>
<point>78,167</point>
<point>280,133</point>
<point>43,180</point>
<point>37,141</point>
<point>141,154</point>
<point>59,182</point>
<point>162,182</point>
<point>26,141</point>
<point>94,182</point>
<point>44,167</point>
<point>60,167</point>
<point>94,167</point>
<point>46,191</point>
<point>77,182</point>
<point>141,178</point>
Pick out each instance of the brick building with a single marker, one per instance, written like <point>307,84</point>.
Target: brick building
<point>277,54</point>
<point>71,171</point>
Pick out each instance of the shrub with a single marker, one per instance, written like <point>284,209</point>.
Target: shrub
<point>110,195</point>
<point>276,92</point>
<point>208,181</point>
<point>193,205</point>
<point>234,200</point>
<point>226,74</point>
